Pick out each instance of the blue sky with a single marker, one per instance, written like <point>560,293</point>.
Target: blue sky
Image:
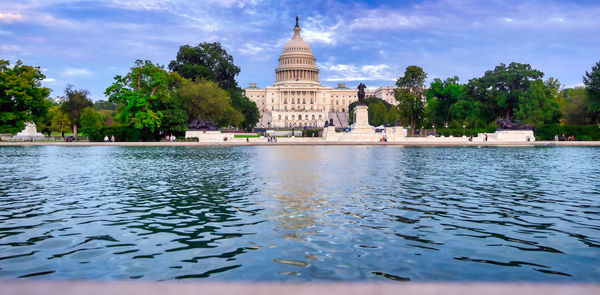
<point>87,43</point>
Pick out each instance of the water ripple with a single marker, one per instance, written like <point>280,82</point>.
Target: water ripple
<point>300,213</point>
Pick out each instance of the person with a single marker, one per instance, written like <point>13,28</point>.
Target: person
<point>105,138</point>
<point>563,138</point>
<point>556,137</point>
<point>471,137</point>
<point>485,138</point>
<point>247,139</point>
<point>112,138</point>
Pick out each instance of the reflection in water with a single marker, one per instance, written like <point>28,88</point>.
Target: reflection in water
<point>300,213</point>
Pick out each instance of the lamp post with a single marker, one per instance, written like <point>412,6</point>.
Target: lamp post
<point>464,131</point>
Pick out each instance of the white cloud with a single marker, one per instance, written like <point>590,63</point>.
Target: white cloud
<point>76,72</point>
<point>9,17</point>
<point>345,72</point>
<point>49,80</point>
<point>251,49</point>
<point>9,48</point>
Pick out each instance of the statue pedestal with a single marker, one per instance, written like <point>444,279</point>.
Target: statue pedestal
<point>361,120</point>
<point>30,132</point>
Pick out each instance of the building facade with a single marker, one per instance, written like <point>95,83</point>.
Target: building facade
<point>297,99</point>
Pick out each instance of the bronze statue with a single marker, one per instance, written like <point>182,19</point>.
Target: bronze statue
<point>206,125</point>
<point>505,124</point>
<point>361,94</point>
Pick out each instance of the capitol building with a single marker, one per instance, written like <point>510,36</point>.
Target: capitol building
<point>297,99</point>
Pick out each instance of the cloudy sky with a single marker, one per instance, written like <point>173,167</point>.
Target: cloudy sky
<point>87,43</point>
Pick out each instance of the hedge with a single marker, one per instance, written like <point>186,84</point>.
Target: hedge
<point>580,132</point>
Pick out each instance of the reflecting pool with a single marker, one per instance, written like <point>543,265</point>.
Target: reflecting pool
<point>300,213</point>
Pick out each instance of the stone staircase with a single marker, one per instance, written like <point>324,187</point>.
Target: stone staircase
<point>266,117</point>
<point>340,119</point>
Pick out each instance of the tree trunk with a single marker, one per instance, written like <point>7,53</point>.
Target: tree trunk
<point>507,116</point>
<point>75,130</point>
<point>413,125</point>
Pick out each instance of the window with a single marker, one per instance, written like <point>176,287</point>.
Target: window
<point>286,117</point>
<point>313,117</point>
<point>320,117</point>
<point>279,118</point>
<point>293,117</point>
<point>305,117</point>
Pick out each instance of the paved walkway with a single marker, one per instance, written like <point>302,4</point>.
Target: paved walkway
<point>300,142</point>
<point>239,288</point>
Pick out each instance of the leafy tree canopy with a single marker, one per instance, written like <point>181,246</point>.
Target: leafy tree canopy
<point>140,93</point>
<point>22,98</point>
<point>104,105</point>
<point>441,95</point>
<point>206,61</point>
<point>207,99</point>
<point>592,86</point>
<point>410,95</point>
<point>574,107</point>
<point>73,103</point>
<point>537,106</point>
<point>501,88</point>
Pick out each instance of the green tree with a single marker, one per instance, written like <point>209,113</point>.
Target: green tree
<point>206,61</point>
<point>91,124</point>
<point>502,88</point>
<point>537,106</point>
<point>248,108</point>
<point>410,94</point>
<point>73,104</point>
<point>574,107</point>
<point>206,99</point>
<point>393,115</point>
<point>592,86</point>
<point>210,61</point>
<point>377,113</point>
<point>140,93</point>
<point>22,98</point>
<point>104,105</point>
<point>468,113</point>
<point>556,92</point>
<point>441,95</point>
<point>59,121</point>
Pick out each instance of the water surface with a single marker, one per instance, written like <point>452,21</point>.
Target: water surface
<point>300,213</point>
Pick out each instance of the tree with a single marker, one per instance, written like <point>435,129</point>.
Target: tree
<point>410,94</point>
<point>22,98</point>
<point>59,121</point>
<point>206,61</point>
<point>211,62</point>
<point>469,113</point>
<point>377,113</point>
<point>592,87</point>
<point>248,108</point>
<point>393,115</point>
<point>537,106</point>
<point>207,99</point>
<point>91,124</point>
<point>441,95</point>
<point>501,88</point>
<point>574,107</point>
<point>73,104</point>
<point>556,92</point>
<point>104,105</point>
<point>140,93</point>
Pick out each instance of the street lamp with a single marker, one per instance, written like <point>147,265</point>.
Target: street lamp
<point>464,131</point>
